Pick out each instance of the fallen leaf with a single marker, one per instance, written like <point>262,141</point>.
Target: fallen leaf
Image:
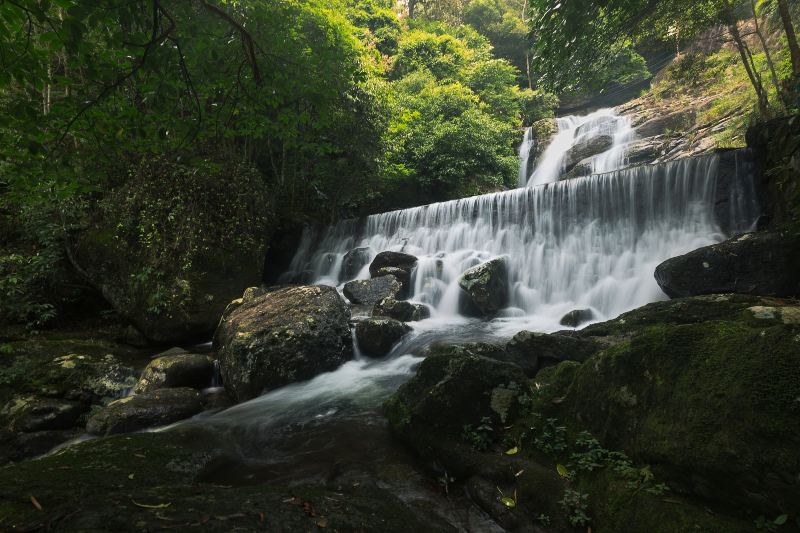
<point>154,506</point>
<point>140,455</point>
<point>261,518</point>
<point>512,451</point>
<point>36,503</point>
<point>508,502</point>
<point>519,473</point>
<point>558,400</point>
<point>130,476</point>
<point>322,522</point>
<point>562,470</point>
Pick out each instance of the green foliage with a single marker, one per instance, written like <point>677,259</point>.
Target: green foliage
<point>479,436</point>
<point>576,505</point>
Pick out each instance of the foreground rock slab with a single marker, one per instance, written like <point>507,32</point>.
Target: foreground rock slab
<point>150,409</point>
<point>401,310</point>
<point>282,336</point>
<point>761,263</point>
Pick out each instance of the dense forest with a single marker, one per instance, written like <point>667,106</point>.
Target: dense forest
<point>511,265</point>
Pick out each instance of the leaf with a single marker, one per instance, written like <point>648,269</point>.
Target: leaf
<point>508,502</point>
<point>38,505</point>
<point>322,522</point>
<point>519,473</point>
<point>130,476</point>
<point>154,506</point>
<point>781,519</point>
<point>562,470</point>
<point>512,451</point>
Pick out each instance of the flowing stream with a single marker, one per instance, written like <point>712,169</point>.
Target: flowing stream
<point>590,242</point>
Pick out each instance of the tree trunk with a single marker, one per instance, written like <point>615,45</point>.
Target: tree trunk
<point>760,34</point>
<point>755,78</point>
<point>794,49</point>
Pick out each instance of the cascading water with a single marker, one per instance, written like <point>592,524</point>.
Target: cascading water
<point>573,131</point>
<point>587,242</point>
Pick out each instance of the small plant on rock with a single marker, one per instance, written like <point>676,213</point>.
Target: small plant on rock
<point>576,505</point>
<point>478,436</point>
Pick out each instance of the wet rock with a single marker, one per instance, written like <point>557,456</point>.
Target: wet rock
<point>401,310</point>
<point>183,370</point>
<point>376,336</point>
<point>534,351</point>
<point>286,335</point>
<point>398,264</point>
<point>216,398</point>
<point>353,261</point>
<point>704,389</point>
<point>586,149</point>
<point>487,286</point>
<point>576,317</point>
<point>580,170</point>
<point>761,263</point>
<point>645,151</point>
<point>371,291</point>
<point>18,446</point>
<point>450,390</point>
<point>150,409</point>
<point>39,414</point>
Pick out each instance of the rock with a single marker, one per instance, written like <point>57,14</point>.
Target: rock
<point>761,263</point>
<point>672,122</point>
<point>487,286</point>
<point>452,389</point>
<point>217,398</point>
<point>401,310</point>
<point>580,170</point>
<point>645,151</point>
<point>18,446</point>
<point>150,409</point>
<point>376,336</point>
<point>44,414</point>
<point>708,397</point>
<point>534,351</point>
<point>605,125</point>
<point>576,317</point>
<point>353,261</point>
<point>397,264</point>
<point>81,486</point>
<point>221,251</point>
<point>371,291</point>
<point>286,335</point>
<point>586,149</point>
<point>184,370</point>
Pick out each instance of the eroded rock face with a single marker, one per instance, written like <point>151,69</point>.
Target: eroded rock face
<point>151,409</point>
<point>401,310</point>
<point>487,286</point>
<point>286,335</point>
<point>586,149</point>
<point>761,263</point>
<point>371,291</point>
<point>181,370</point>
<point>376,336</point>
<point>662,124</point>
<point>44,414</point>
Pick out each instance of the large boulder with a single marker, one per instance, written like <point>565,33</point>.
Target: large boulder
<point>401,310</point>
<point>180,370</point>
<point>371,291</point>
<point>376,336</point>
<point>586,149</point>
<point>762,263</point>
<point>487,286</point>
<point>669,123</point>
<point>173,245</point>
<point>353,261</point>
<point>453,389</point>
<point>397,264</point>
<point>151,409</point>
<point>43,414</point>
<point>707,397</point>
<point>286,335</point>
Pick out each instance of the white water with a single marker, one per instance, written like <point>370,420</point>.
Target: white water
<point>571,131</point>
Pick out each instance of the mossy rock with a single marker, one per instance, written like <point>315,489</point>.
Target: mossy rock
<point>148,481</point>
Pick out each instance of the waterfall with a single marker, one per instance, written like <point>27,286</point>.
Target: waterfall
<point>590,242</point>
<point>574,131</point>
